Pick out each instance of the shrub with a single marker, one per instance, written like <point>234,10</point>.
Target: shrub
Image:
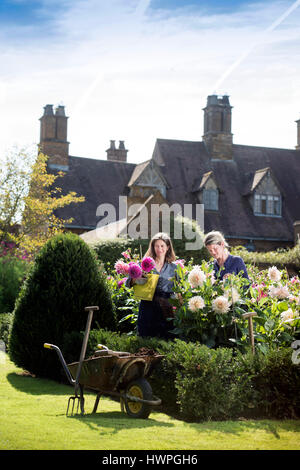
<point>125,304</point>
<point>63,280</point>
<point>282,258</point>
<point>12,274</point>
<point>197,383</point>
<point>277,383</point>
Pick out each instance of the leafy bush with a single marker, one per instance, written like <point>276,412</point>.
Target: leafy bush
<point>12,273</point>
<point>207,384</point>
<point>125,304</point>
<point>277,383</point>
<point>281,257</point>
<point>64,280</point>
<point>198,383</point>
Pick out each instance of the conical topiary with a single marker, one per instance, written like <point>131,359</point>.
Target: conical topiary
<point>64,279</point>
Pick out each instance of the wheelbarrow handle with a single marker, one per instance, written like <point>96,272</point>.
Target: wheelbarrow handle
<point>155,402</point>
<point>63,362</point>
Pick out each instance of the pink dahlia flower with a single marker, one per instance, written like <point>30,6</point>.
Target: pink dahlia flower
<point>180,262</point>
<point>121,267</point>
<point>126,254</point>
<point>135,271</point>
<point>121,282</point>
<point>147,264</point>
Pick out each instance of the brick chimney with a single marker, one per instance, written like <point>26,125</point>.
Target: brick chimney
<point>53,136</point>
<point>117,154</point>
<point>217,127</point>
<point>298,135</point>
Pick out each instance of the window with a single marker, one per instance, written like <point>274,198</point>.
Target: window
<point>211,199</point>
<point>268,205</point>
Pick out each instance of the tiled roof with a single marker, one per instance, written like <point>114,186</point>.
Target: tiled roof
<point>185,163</point>
<point>99,181</point>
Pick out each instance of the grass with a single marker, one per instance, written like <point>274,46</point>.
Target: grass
<point>33,417</point>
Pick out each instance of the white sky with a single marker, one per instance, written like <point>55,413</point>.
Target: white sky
<point>127,71</point>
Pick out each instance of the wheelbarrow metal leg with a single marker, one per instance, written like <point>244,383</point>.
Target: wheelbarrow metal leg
<point>96,402</point>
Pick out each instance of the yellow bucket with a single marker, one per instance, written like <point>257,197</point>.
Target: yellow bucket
<point>146,291</point>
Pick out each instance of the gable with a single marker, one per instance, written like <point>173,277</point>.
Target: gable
<point>266,183</point>
<point>145,178</point>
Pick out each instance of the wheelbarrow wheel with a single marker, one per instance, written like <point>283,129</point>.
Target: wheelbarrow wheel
<point>139,388</point>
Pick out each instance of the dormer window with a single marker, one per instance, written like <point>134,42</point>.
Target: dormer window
<point>267,204</point>
<point>208,192</point>
<point>266,195</point>
<point>211,199</point>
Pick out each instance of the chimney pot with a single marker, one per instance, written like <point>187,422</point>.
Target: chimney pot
<point>48,110</point>
<point>60,111</point>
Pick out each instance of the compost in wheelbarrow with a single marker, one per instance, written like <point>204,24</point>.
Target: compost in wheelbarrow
<point>122,375</point>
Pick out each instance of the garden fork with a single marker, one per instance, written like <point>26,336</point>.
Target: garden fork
<point>78,388</point>
<point>78,396</point>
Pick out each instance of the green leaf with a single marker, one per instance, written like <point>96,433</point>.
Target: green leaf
<point>282,306</point>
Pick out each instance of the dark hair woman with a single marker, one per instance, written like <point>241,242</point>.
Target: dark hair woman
<point>154,316</point>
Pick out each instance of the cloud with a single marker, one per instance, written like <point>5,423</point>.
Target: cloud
<point>127,71</point>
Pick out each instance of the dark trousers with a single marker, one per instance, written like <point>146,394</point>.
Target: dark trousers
<point>151,321</point>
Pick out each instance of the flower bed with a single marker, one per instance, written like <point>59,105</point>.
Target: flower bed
<point>211,311</point>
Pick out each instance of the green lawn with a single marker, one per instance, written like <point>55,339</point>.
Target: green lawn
<point>33,417</point>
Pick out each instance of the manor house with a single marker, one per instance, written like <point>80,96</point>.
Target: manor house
<point>250,193</point>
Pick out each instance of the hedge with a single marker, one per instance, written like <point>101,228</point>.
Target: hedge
<point>282,258</point>
<point>197,383</point>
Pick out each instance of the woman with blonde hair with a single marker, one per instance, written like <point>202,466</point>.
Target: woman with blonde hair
<point>153,315</point>
<point>224,262</point>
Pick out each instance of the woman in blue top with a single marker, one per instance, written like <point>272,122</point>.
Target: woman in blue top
<point>152,317</point>
<point>224,262</point>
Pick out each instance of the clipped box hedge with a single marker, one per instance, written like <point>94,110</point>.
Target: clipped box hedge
<point>196,383</point>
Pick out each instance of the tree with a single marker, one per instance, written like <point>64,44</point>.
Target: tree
<point>15,174</point>
<point>29,197</point>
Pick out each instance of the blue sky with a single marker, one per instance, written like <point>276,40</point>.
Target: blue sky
<point>137,70</point>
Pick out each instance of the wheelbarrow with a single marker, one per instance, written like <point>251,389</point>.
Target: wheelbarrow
<point>117,374</point>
